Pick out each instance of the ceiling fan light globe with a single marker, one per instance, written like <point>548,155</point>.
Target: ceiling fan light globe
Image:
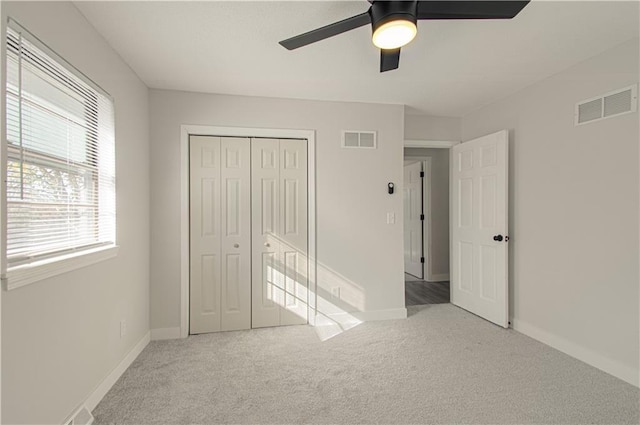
<point>394,34</point>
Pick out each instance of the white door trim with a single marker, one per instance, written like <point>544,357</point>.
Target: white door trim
<point>206,130</point>
<point>427,229</point>
<point>430,143</point>
<point>437,144</point>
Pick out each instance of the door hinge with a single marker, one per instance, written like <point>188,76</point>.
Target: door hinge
<point>422,259</point>
<point>421,216</point>
<point>421,173</point>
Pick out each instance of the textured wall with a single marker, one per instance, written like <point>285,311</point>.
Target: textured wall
<point>426,127</point>
<point>61,336</point>
<point>356,250</point>
<point>574,212</point>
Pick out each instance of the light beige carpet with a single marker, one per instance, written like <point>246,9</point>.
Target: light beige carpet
<point>441,365</point>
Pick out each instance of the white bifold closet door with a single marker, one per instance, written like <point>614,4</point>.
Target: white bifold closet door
<point>279,236</point>
<point>220,216</point>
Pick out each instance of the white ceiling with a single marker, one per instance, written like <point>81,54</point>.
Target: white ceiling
<point>450,69</point>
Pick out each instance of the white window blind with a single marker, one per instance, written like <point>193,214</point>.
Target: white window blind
<point>60,155</point>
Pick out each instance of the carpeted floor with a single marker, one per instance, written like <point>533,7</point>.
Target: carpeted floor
<point>441,365</point>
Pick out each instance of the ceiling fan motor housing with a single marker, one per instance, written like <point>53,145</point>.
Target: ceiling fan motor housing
<point>385,11</point>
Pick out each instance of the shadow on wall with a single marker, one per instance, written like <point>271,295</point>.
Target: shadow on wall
<point>335,312</point>
<point>287,285</point>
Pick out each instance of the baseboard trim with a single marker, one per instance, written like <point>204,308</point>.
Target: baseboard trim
<point>443,277</point>
<point>103,388</point>
<point>165,333</point>
<point>370,316</point>
<point>586,355</point>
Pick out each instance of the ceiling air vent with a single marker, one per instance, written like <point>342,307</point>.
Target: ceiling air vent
<point>612,104</point>
<point>358,139</point>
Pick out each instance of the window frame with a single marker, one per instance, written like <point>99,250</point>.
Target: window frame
<point>62,261</point>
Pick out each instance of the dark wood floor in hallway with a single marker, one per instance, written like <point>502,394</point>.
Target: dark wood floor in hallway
<point>419,292</point>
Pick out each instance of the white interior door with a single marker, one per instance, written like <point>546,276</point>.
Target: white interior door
<point>220,234</point>
<point>479,208</point>
<point>413,220</point>
<point>279,218</point>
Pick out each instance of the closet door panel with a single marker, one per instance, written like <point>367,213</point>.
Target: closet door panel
<point>249,265</point>
<point>267,280</point>
<point>205,234</point>
<point>236,230</point>
<point>293,230</point>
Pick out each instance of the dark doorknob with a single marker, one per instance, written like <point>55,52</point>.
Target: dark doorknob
<point>498,238</point>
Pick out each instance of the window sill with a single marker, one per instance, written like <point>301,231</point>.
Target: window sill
<point>25,274</point>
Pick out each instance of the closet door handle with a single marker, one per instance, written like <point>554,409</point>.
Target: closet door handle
<point>267,244</point>
<point>235,245</point>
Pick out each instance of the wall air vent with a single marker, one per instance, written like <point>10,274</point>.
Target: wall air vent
<point>358,139</point>
<point>612,104</point>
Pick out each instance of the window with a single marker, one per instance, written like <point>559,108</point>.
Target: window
<point>60,171</point>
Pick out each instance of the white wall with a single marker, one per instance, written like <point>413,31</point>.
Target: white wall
<point>439,209</point>
<point>61,336</point>
<point>574,213</point>
<point>427,127</point>
<point>356,249</point>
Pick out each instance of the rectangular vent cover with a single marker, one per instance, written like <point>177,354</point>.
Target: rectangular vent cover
<point>358,139</point>
<point>612,104</point>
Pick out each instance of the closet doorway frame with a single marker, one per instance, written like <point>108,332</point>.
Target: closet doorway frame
<point>268,133</point>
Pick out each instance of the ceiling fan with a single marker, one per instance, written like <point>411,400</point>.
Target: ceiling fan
<point>394,22</point>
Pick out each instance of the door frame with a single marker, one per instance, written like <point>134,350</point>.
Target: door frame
<point>426,196</point>
<point>433,144</point>
<point>187,130</point>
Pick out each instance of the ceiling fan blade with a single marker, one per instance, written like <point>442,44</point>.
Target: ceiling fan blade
<point>327,31</point>
<point>470,9</point>
<point>389,59</point>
